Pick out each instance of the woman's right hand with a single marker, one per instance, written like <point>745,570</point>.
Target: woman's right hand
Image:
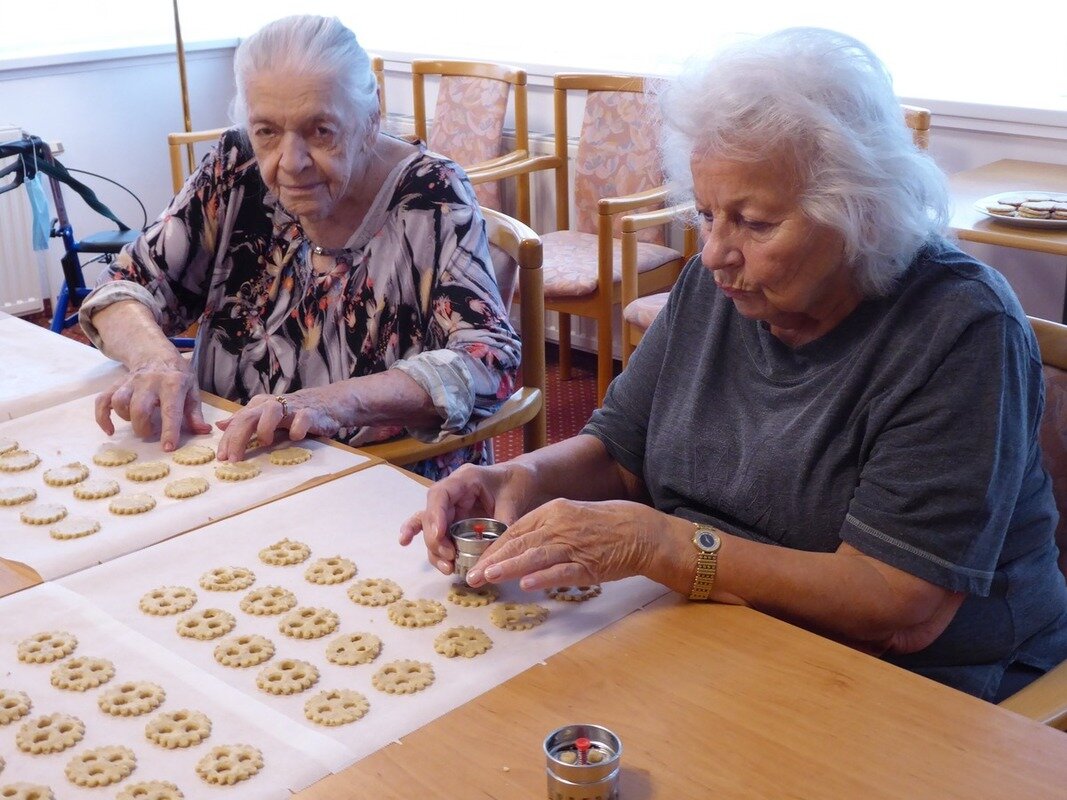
<point>164,382</point>
<point>504,492</point>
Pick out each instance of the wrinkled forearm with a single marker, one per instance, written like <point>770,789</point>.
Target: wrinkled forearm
<point>383,399</point>
<point>130,334</point>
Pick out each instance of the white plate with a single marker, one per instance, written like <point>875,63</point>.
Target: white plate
<point>1024,222</point>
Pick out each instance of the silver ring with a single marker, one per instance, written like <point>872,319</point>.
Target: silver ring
<point>282,402</point>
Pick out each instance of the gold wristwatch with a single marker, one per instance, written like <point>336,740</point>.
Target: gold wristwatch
<point>708,542</point>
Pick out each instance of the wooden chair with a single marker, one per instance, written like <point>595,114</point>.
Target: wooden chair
<point>175,141</point>
<point>516,252</point>
<point>377,65</point>
<point>616,171</point>
<point>1045,700</point>
<point>468,121</point>
<point>640,308</point>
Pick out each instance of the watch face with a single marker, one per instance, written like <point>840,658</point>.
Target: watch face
<point>706,540</point>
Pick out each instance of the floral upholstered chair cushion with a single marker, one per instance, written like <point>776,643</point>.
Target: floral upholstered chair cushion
<point>1054,448</point>
<point>618,155</point>
<point>468,125</point>
<point>643,310</point>
<point>570,262</point>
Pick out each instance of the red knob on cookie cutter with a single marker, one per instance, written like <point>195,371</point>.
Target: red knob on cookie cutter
<point>582,746</point>
<point>479,528</point>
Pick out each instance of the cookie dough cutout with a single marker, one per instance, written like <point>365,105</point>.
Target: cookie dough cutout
<point>151,790</point>
<point>211,623</point>
<point>67,475</point>
<point>288,456</point>
<point>17,495</point>
<point>327,571</point>
<point>13,705</point>
<point>131,699</point>
<point>101,766</point>
<point>463,595</point>
<point>96,489</point>
<point>43,514</point>
<point>174,729</point>
<point>82,673</point>
<point>375,592</point>
<point>148,471</point>
<point>403,677</point>
<point>353,648</point>
<point>139,503</point>
<point>288,676</point>
<point>229,764</point>
<point>466,641</point>
<point>74,528</point>
<point>518,616</point>
<point>186,487</point>
<point>284,553</point>
<point>574,594</point>
<point>236,470</point>
<point>249,650</point>
<point>51,733</point>
<point>7,445</point>
<point>267,600</point>
<point>26,791</point>
<point>167,600</point>
<point>18,461</point>
<point>114,457</point>
<point>44,648</point>
<point>308,623</point>
<point>336,707</point>
<point>227,579</point>
<point>192,455</point>
<point>416,613</point>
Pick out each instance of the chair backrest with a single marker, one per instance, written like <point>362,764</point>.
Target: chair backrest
<point>377,65</point>
<point>618,148</point>
<point>468,121</point>
<point>1052,338</point>
<point>918,120</point>
<point>175,141</point>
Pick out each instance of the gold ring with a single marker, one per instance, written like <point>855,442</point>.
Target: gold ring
<point>282,402</point>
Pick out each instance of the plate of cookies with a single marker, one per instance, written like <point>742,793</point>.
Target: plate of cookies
<point>1031,208</point>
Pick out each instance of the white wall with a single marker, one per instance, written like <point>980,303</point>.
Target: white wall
<point>112,116</point>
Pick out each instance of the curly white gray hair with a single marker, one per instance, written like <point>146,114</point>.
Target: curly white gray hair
<point>306,44</point>
<point>826,101</point>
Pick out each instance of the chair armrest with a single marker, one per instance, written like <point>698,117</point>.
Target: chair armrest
<point>1044,700</point>
<point>492,163</point>
<point>517,410</point>
<point>607,206</point>
<point>632,223</point>
<point>509,170</point>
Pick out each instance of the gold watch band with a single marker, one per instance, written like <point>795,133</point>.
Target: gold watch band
<point>707,562</point>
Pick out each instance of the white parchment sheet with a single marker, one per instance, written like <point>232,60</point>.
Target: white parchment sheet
<point>356,517</point>
<point>290,763</point>
<point>67,433</point>
<point>39,368</point>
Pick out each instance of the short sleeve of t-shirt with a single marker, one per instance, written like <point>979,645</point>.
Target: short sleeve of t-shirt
<point>944,478</point>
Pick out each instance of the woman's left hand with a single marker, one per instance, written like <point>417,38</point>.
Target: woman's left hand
<point>304,412</point>
<point>572,543</point>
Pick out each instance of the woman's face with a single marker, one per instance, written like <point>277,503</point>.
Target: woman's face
<point>306,141</point>
<point>774,263</point>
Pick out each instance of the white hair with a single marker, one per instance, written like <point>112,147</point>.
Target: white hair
<point>309,45</point>
<point>825,101</point>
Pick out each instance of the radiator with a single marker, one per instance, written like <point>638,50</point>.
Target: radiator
<point>20,276</point>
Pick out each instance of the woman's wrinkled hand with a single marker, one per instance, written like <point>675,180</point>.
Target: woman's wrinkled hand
<point>502,492</point>
<point>303,413</point>
<point>574,543</point>
<point>167,384</point>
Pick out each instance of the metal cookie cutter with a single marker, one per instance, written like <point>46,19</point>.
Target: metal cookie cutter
<point>583,763</point>
<point>471,537</point>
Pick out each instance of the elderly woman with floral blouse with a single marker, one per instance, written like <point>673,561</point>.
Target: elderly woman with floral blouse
<point>341,277</point>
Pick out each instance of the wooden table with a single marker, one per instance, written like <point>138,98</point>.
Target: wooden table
<point>1000,176</point>
<point>722,702</point>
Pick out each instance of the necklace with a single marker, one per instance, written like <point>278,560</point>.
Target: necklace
<point>330,252</point>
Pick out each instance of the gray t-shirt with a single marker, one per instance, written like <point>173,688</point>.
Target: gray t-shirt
<point>908,431</point>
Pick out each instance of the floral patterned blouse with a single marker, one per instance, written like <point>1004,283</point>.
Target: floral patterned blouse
<point>413,290</point>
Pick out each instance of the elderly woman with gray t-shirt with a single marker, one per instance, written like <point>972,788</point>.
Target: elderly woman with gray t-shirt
<point>834,420</point>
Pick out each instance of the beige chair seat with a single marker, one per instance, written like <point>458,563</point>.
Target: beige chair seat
<point>643,310</point>
<point>570,265</point>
